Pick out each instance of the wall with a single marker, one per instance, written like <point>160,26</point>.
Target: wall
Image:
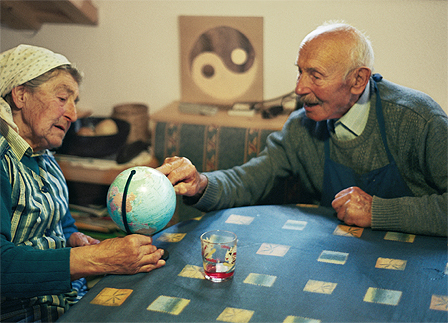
<point>133,54</point>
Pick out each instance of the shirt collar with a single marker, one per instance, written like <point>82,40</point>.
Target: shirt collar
<point>18,145</point>
<point>356,118</point>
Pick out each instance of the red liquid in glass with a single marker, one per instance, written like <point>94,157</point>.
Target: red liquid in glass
<point>210,273</point>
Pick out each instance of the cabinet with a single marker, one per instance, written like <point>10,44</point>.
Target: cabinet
<point>212,142</point>
<point>30,15</point>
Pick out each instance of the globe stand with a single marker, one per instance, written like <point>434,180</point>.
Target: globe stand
<point>166,254</point>
<point>123,202</point>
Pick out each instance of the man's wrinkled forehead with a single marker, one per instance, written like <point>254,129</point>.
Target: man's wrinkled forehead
<point>325,49</point>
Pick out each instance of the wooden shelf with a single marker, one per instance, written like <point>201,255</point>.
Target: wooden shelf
<point>30,15</point>
<point>171,113</point>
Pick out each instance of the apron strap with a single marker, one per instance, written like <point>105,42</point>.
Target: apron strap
<point>380,116</point>
<point>327,148</point>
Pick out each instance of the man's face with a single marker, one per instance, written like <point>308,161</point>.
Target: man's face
<point>48,112</point>
<point>321,84</point>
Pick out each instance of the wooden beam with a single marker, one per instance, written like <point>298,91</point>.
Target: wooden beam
<point>19,15</point>
<point>81,11</point>
<point>26,14</point>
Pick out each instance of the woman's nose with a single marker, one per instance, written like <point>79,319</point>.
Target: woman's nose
<point>70,113</point>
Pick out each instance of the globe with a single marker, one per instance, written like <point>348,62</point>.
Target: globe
<point>149,200</point>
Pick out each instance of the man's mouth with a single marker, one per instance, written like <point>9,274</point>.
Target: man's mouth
<point>60,127</point>
<point>309,107</point>
<point>307,103</point>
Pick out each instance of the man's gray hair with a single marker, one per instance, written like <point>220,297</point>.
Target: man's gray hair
<point>362,51</point>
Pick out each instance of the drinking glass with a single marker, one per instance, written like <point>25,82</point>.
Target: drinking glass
<point>218,254</point>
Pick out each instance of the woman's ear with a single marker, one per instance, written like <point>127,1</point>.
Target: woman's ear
<point>18,96</point>
<point>361,78</point>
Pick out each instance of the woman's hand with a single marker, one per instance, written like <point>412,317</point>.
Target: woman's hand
<point>79,239</point>
<point>131,254</point>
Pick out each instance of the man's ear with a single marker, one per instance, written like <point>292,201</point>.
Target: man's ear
<point>18,96</point>
<point>361,77</point>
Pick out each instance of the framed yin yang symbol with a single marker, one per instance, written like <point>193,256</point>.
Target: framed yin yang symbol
<point>221,59</point>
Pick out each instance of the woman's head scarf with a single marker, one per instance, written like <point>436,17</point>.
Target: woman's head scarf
<point>20,65</point>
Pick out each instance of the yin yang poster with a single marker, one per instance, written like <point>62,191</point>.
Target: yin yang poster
<point>221,59</point>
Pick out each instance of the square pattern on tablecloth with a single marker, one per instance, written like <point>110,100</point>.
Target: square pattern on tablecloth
<point>272,249</point>
<point>240,219</point>
<point>294,225</point>
<point>260,280</point>
<point>333,257</point>
<point>192,271</point>
<point>398,236</point>
<point>382,296</point>
<point>171,237</point>
<point>321,287</point>
<point>168,304</point>
<point>235,315</point>
<point>348,231</point>
<point>393,264</point>
<point>111,297</point>
<point>439,303</point>
<point>299,319</point>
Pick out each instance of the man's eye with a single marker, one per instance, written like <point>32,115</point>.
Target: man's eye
<point>62,99</point>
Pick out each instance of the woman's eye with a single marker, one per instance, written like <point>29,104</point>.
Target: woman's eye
<point>62,99</point>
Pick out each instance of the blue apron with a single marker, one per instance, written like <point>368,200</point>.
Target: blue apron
<point>384,182</point>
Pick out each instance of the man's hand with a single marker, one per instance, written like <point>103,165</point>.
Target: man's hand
<point>78,239</point>
<point>183,175</point>
<point>128,255</point>
<point>354,207</point>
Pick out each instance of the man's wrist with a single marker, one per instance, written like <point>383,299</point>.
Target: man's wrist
<point>192,200</point>
<point>203,182</point>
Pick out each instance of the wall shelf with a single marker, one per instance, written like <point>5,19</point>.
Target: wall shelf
<point>30,15</point>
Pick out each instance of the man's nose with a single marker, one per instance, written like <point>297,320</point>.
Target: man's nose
<point>302,87</point>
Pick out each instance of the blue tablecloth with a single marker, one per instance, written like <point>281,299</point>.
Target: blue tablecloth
<point>294,264</point>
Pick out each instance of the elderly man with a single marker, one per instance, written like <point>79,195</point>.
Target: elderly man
<point>39,90</point>
<point>374,151</point>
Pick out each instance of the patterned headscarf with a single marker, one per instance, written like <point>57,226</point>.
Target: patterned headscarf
<point>20,65</point>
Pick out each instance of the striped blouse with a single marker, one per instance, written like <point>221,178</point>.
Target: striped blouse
<point>34,215</point>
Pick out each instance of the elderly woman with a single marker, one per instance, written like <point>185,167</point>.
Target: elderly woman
<point>43,256</point>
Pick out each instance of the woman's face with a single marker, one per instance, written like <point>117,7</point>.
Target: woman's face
<point>47,113</point>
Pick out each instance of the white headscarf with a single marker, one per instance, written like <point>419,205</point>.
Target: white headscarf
<point>20,65</point>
